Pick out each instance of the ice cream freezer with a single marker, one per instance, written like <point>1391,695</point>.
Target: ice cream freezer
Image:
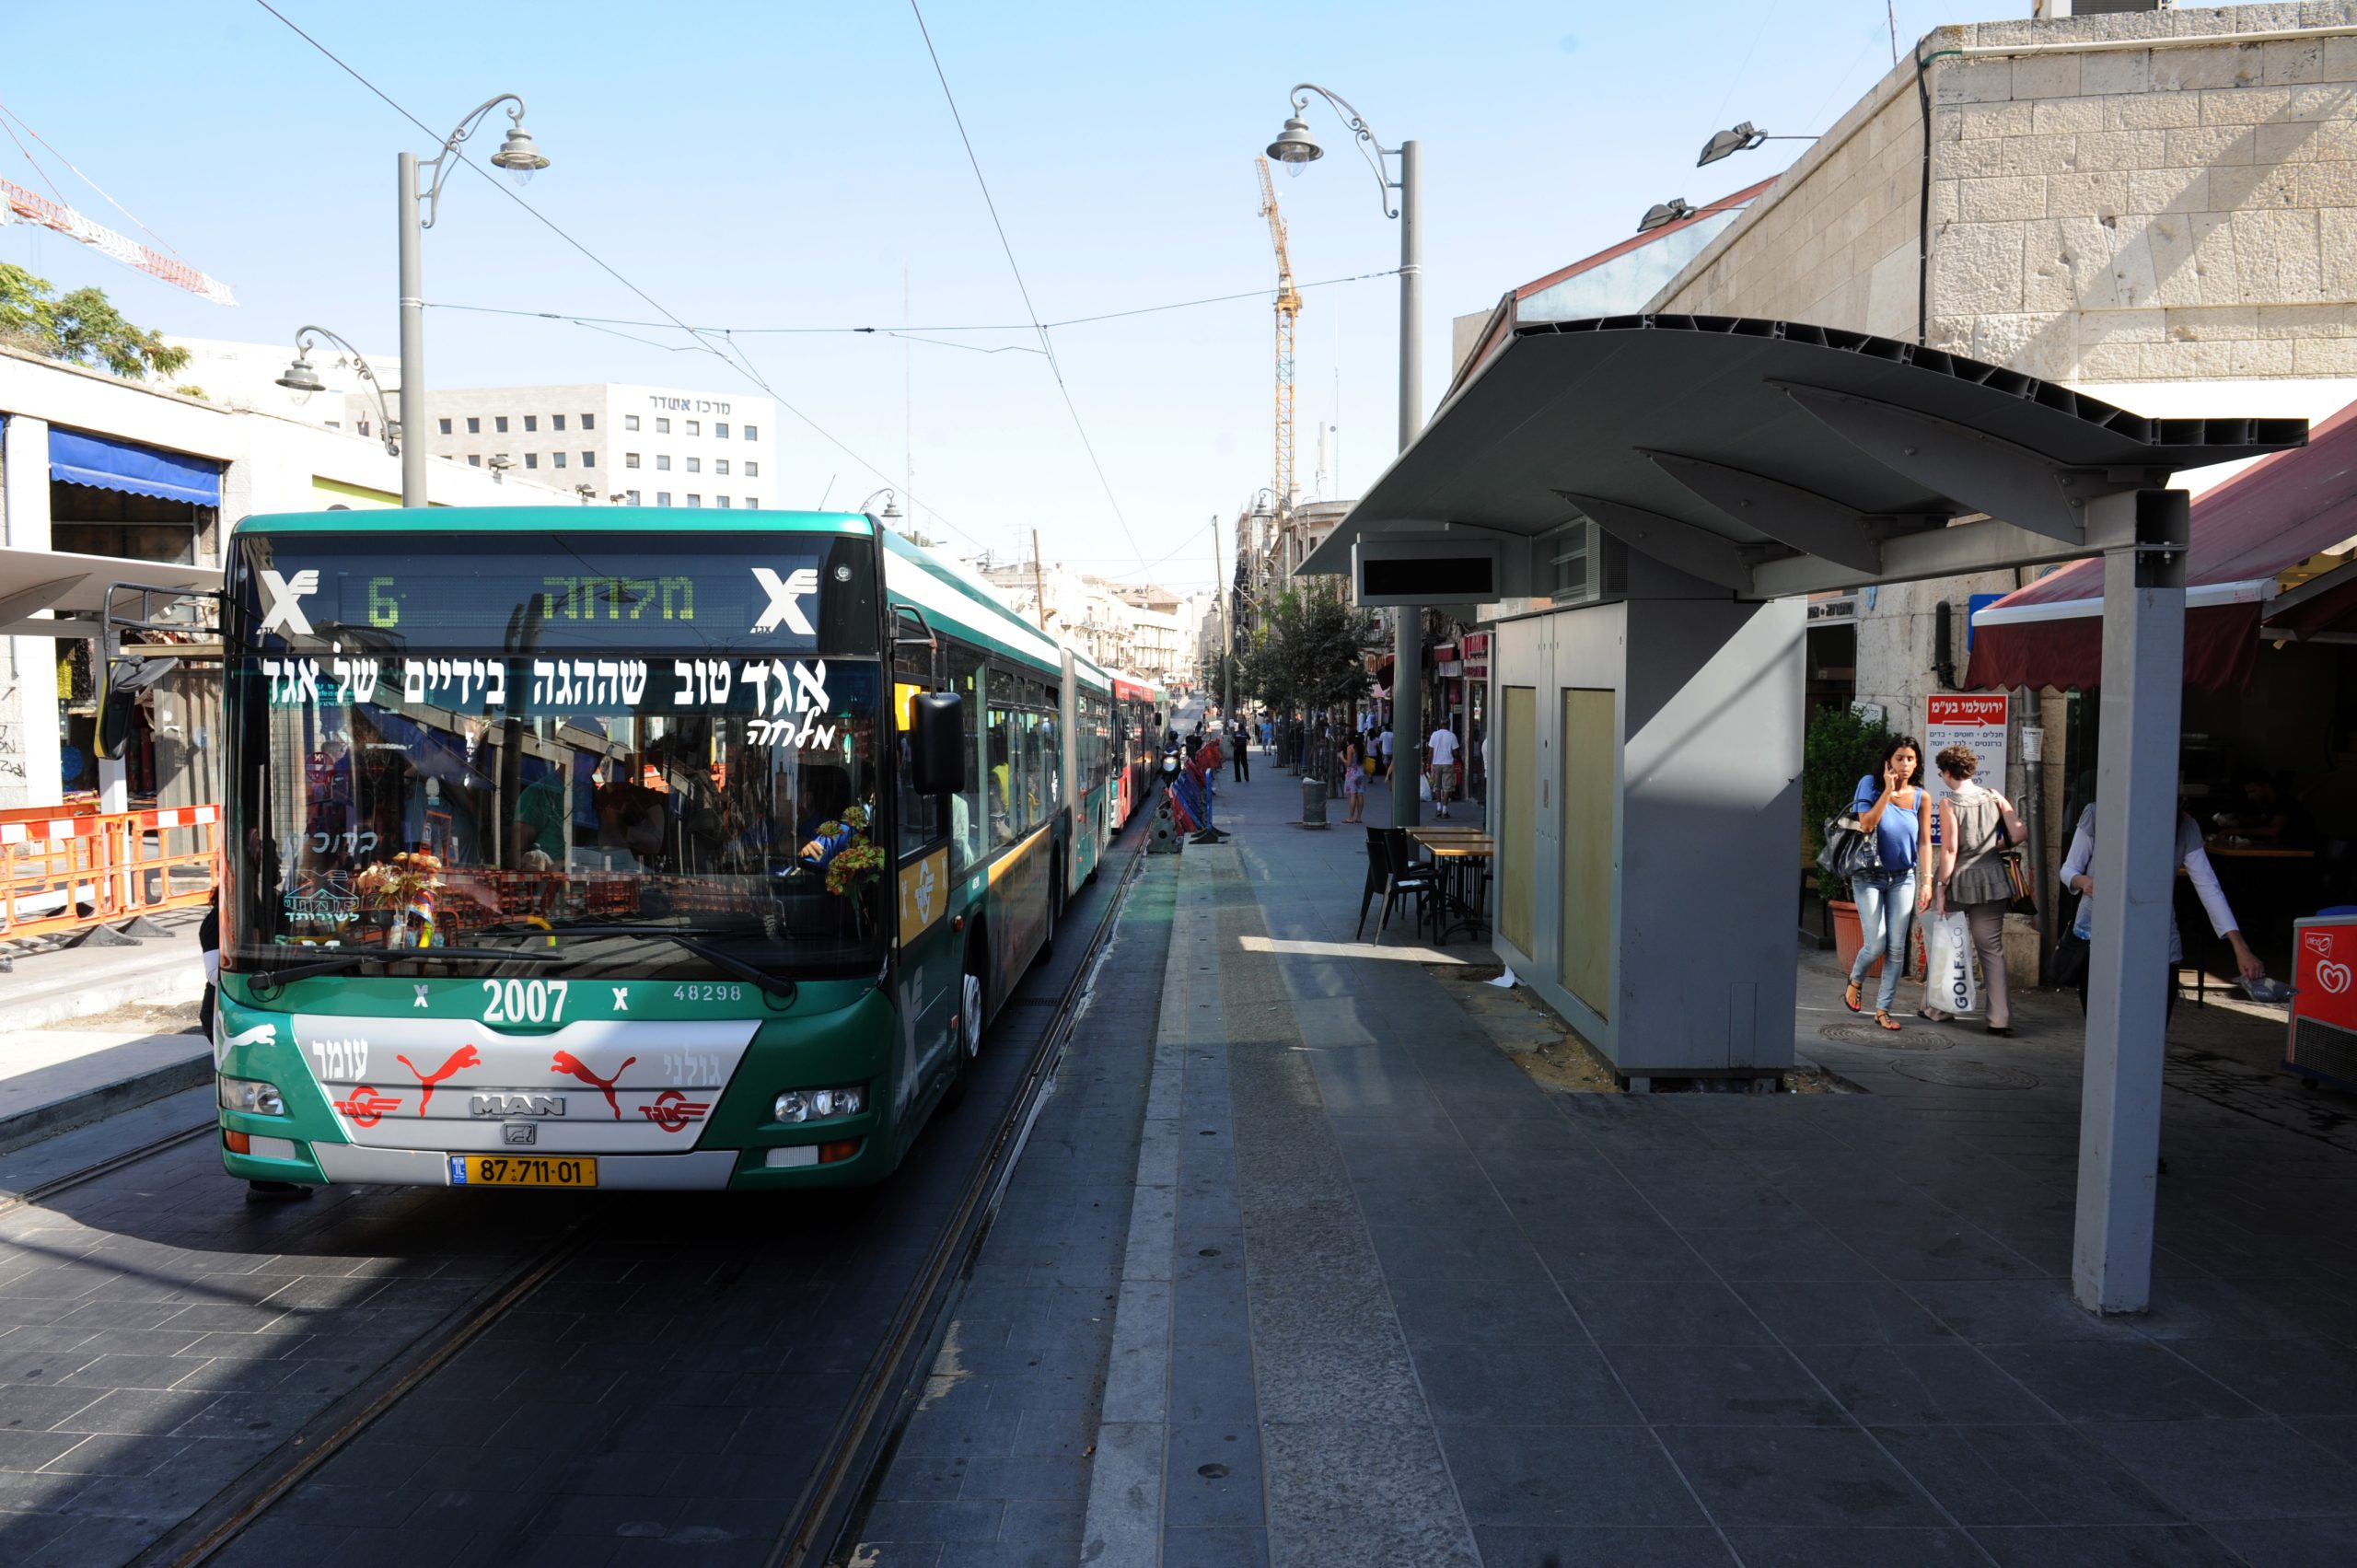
<point>2322,1042</point>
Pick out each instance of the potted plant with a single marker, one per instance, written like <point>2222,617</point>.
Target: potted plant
<point>1840,747</point>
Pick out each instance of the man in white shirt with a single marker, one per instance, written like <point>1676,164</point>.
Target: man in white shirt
<point>1442,748</point>
<point>1386,747</point>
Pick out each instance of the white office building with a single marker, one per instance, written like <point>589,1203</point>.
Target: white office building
<point>627,445</point>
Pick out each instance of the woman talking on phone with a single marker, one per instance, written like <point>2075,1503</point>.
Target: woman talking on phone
<point>1890,807</point>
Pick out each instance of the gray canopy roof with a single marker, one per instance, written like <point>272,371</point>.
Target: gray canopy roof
<point>1775,458</point>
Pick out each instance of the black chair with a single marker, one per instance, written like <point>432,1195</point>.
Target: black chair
<point>1377,874</point>
<point>1403,876</point>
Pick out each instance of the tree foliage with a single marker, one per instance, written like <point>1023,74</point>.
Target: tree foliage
<point>81,327</point>
<point>1309,652</point>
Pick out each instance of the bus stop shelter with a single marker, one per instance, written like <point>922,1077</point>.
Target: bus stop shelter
<point>1647,501</point>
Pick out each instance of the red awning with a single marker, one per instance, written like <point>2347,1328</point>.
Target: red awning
<point>2275,514</point>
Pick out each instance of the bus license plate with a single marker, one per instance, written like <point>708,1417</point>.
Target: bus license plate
<point>511,1170</point>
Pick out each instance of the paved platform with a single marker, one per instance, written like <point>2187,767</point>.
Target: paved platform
<point>93,1031</point>
<point>1393,1289</point>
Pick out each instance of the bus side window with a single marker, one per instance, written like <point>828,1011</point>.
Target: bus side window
<point>967,810</point>
<point>921,819</point>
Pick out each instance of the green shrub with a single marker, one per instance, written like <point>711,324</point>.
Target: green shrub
<point>1839,747</point>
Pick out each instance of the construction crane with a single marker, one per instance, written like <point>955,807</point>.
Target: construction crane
<point>1288,307</point>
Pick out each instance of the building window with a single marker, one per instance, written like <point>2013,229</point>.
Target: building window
<point>662,498</point>
<point>752,468</point>
<point>752,433</point>
<point>695,427</point>
<point>444,424</point>
<point>694,500</point>
<point>721,431</point>
<point>556,422</point>
<point>662,462</point>
<point>695,465</point>
<point>721,502</point>
<point>531,459</point>
<point>363,427</point>
<point>556,459</point>
<point>633,496</point>
<point>720,465</point>
<point>532,423</point>
<point>474,426</point>
<point>662,427</point>
<point>630,422</point>
<point>752,503</point>
<point>499,422</point>
<point>589,422</point>
<point>588,460</point>
<point>474,460</point>
<point>629,459</point>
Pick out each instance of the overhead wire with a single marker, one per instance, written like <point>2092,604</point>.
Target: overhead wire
<point>738,360</point>
<point>1046,343</point>
<point>45,180</point>
<point>896,331</point>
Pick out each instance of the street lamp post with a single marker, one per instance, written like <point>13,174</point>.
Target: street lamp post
<point>303,380</point>
<point>1295,147</point>
<point>520,158</point>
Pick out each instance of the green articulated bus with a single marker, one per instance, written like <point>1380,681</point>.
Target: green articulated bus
<point>569,851</point>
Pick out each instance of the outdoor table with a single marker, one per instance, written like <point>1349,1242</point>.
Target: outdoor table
<point>1457,851</point>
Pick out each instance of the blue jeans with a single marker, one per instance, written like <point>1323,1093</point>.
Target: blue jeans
<point>1886,910</point>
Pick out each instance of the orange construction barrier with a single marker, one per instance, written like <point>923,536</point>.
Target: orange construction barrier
<point>69,873</point>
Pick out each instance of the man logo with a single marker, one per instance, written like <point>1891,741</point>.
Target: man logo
<point>285,611</point>
<point>785,600</point>
<point>515,1105</point>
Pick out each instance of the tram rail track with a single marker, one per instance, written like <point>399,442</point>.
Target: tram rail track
<point>861,1439</point>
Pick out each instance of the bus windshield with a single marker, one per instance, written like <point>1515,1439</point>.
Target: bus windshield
<point>659,759</point>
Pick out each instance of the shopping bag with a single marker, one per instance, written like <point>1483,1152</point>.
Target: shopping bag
<point>1949,985</point>
<point>1423,786</point>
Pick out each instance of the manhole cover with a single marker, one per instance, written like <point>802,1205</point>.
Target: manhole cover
<point>1886,1040</point>
<point>1962,1074</point>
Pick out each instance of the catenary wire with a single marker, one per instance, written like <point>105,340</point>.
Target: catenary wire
<point>1046,343</point>
<point>739,361</point>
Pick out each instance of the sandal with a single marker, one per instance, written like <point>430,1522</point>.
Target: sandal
<point>1853,998</point>
<point>1886,1021</point>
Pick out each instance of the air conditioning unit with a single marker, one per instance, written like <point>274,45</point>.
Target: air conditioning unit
<point>2322,1043</point>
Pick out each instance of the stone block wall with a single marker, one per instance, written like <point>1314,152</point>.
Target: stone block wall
<point>2129,215</point>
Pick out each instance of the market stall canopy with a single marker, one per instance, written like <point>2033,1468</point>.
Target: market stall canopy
<point>2253,537</point>
<point>75,586</point>
<point>1775,458</point>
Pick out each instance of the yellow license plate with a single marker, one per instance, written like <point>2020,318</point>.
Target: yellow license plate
<point>522,1170</point>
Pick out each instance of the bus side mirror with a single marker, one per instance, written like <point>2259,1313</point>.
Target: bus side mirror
<point>120,682</point>
<point>937,742</point>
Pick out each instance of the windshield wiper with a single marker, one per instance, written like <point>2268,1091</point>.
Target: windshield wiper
<point>685,937</point>
<point>344,961</point>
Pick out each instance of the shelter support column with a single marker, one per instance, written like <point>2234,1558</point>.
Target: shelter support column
<point>2120,1111</point>
<point>30,767</point>
<point>1406,713</point>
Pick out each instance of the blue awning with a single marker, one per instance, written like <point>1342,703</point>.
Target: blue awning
<point>104,463</point>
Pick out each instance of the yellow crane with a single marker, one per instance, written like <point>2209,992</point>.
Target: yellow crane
<point>1288,307</point>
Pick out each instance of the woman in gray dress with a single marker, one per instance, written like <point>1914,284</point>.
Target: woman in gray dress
<point>1976,824</point>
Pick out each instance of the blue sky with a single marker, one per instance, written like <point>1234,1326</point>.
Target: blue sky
<point>781,164</point>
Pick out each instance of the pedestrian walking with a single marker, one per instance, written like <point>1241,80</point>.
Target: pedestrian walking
<point>1354,759</point>
<point>1242,761</point>
<point>2078,875</point>
<point>1889,805</point>
<point>1977,826</point>
<point>1441,746</point>
<point>1385,745</point>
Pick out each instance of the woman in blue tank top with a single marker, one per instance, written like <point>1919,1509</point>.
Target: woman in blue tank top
<point>1889,806</point>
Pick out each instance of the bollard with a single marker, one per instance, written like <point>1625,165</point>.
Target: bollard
<point>1165,839</point>
<point>1312,803</point>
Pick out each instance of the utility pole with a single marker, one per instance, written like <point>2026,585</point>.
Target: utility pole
<point>1227,623</point>
<point>1038,580</point>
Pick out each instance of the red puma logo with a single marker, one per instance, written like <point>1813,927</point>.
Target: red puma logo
<point>464,1057</point>
<point>566,1061</point>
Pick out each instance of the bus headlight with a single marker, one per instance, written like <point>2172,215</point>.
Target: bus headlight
<point>252,1095</point>
<point>809,1105</point>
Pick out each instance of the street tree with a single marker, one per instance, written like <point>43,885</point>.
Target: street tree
<point>81,327</point>
<point>1308,656</point>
